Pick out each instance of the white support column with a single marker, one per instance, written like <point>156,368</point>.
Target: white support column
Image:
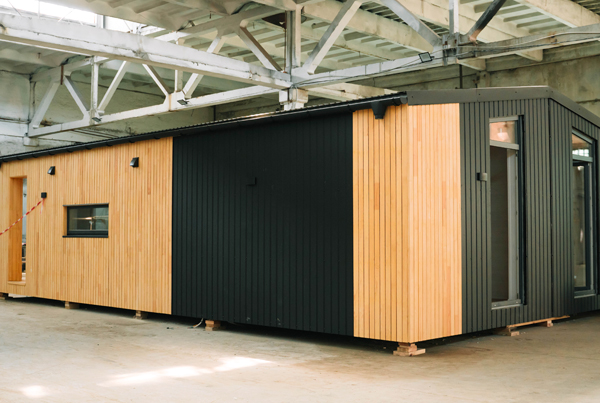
<point>293,39</point>
<point>453,17</point>
<point>179,73</point>
<point>158,80</point>
<point>44,105</point>
<point>27,141</point>
<point>194,80</point>
<point>293,98</point>
<point>113,87</point>
<point>336,28</point>
<point>93,107</point>
<point>263,56</point>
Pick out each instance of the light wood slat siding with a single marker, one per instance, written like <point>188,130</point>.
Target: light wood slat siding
<point>131,268</point>
<point>407,223</point>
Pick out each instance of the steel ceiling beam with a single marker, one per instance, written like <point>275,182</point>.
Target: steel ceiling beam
<point>134,48</point>
<point>328,39</point>
<point>370,24</point>
<point>570,36</point>
<point>466,53</point>
<point>413,21</point>
<point>484,20</point>
<point>170,105</point>
<point>437,12</point>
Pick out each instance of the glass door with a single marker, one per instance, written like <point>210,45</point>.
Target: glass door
<point>582,191</point>
<point>504,204</point>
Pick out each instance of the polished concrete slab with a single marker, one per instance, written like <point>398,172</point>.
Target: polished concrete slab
<point>94,354</point>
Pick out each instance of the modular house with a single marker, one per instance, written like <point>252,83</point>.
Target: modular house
<point>407,217</point>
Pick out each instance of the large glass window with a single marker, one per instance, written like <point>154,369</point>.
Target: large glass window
<point>87,220</point>
<point>583,190</point>
<point>505,218</point>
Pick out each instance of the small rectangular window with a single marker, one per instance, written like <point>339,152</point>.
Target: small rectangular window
<point>87,221</point>
<point>503,132</point>
<point>581,148</point>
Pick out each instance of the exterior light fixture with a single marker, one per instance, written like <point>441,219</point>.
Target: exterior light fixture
<point>97,119</point>
<point>52,171</point>
<point>182,102</point>
<point>425,57</point>
<point>135,162</point>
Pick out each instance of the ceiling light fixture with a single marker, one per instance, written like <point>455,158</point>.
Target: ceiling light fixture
<point>425,57</point>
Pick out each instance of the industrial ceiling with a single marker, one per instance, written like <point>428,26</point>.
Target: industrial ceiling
<point>201,53</point>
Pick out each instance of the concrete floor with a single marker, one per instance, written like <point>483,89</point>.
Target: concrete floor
<point>50,354</point>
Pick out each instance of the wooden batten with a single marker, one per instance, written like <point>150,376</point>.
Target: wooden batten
<point>407,218</point>
<point>131,268</point>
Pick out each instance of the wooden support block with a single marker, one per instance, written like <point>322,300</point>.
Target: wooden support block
<point>212,325</point>
<point>506,331</point>
<point>140,315</point>
<point>71,305</point>
<point>408,350</point>
<point>4,295</point>
<point>511,330</point>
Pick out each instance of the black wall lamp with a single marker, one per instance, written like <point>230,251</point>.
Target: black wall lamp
<point>135,162</point>
<point>52,171</point>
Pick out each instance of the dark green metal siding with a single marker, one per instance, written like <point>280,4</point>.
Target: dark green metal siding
<point>562,123</point>
<point>535,152</point>
<point>262,224</point>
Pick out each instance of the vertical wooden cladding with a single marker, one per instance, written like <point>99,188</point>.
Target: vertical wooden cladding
<point>132,267</point>
<point>407,223</point>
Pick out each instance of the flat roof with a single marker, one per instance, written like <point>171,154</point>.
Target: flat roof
<point>425,97</point>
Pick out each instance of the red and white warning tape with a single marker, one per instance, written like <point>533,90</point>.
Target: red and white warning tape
<point>27,213</point>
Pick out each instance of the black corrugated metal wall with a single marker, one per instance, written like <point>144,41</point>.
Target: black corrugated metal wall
<point>562,123</point>
<point>262,225</point>
<point>535,150</point>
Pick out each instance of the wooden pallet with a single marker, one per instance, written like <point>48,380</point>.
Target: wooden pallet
<point>511,330</point>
